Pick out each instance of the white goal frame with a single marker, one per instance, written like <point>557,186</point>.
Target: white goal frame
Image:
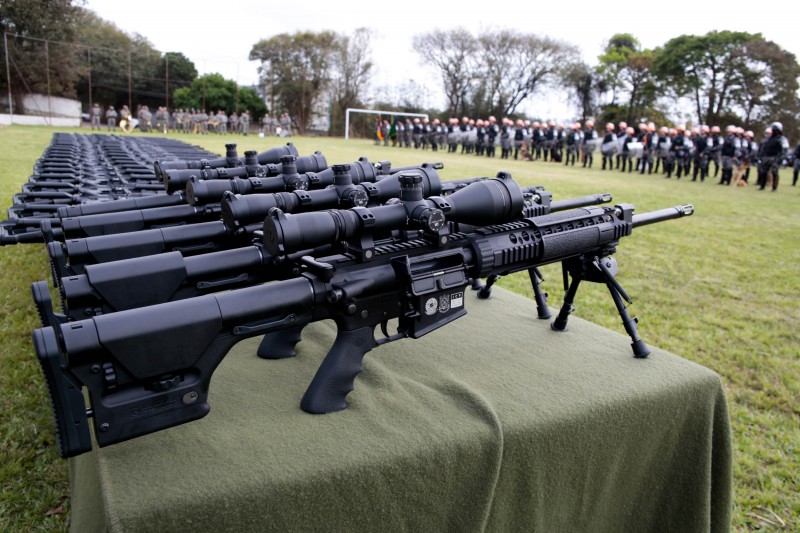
<point>374,112</point>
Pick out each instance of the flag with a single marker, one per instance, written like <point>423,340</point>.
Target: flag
<point>393,129</point>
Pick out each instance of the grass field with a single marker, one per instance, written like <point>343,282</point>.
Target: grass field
<point>720,288</point>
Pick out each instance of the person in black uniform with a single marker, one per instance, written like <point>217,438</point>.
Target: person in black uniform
<point>661,148</point>
<point>609,147</point>
<point>681,147</point>
<point>417,133</point>
<point>492,131</point>
<point>537,140</point>
<point>715,148</point>
<point>622,130</point>
<point>630,136</point>
<point>730,155</point>
<point>796,164</point>
<point>771,153</point>
<point>646,135</point>
<point>588,143</point>
<point>700,154</point>
<point>573,140</point>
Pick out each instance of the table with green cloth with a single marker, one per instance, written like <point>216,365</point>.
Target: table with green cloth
<point>491,423</point>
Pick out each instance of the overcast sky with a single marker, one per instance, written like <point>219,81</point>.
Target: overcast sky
<point>218,36</point>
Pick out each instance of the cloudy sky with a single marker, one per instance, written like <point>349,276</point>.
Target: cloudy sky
<point>218,36</point>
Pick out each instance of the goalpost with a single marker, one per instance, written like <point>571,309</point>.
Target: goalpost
<point>374,112</point>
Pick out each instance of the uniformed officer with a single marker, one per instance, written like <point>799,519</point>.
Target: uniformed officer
<point>646,138</point>
<point>244,122</point>
<point>589,143</point>
<point>661,148</point>
<point>400,129</point>
<point>573,141</point>
<point>492,132</point>
<point>715,148</point>
<point>480,137</point>
<point>630,136</point>
<point>519,137</point>
<point>95,114</point>
<point>417,134</point>
<point>796,164</point>
<point>700,153</point>
<point>772,151</point>
<point>505,138</point>
<point>177,120</point>
<point>233,122</point>
<point>537,138</point>
<point>111,118</point>
<point>222,122</point>
<point>622,129</point>
<point>609,147</point>
<point>730,153</point>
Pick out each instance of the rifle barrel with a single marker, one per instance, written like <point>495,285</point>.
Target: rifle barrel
<point>661,215</point>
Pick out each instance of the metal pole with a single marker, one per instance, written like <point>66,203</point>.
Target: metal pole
<point>89,55</point>
<point>166,66</point>
<point>130,85</point>
<point>347,124</point>
<point>47,65</point>
<point>8,75</point>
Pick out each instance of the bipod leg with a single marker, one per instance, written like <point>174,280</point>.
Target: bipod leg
<point>640,349</point>
<point>541,297</point>
<point>560,323</point>
<point>476,284</point>
<point>486,290</point>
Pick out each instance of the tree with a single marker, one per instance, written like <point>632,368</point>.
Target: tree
<point>626,71</point>
<point>212,92</point>
<point>584,85</point>
<point>351,67</point>
<point>295,70</point>
<point>516,65</point>
<point>181,70</point>
<point>453,54</point>
<point>706,69</point>
<point>34,61</point>
<point>768,86</point>
<point>111,55</point>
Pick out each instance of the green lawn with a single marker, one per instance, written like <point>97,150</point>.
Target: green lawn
<point>719,288</point>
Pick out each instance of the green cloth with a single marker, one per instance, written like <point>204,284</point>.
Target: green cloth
<point>491,423</point>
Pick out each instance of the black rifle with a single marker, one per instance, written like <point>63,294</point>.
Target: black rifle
<point>362,171</point>
<point>120,285</point>
<point>150,368</point>
<point>168,231</point>
<point>289,166</point>
<point>230,160</point>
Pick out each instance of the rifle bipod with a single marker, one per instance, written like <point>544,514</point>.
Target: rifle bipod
<point>542,310</point>
<point>598,269</point>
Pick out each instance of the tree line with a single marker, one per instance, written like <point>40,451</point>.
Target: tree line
<point>62,49</point>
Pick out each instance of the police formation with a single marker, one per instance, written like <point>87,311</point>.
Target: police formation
<point>181,120</point>
<point>677,152</point>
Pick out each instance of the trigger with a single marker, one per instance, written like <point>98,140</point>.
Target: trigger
<point>385,328</point>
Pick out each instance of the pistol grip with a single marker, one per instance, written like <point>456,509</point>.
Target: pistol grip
<point>333,381</point>
<point>280,344</point>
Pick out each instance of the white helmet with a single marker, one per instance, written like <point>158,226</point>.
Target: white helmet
<point>777,126</point>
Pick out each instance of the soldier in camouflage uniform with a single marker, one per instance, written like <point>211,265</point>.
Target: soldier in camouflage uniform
<point>95,115</point>
<point>111,118</point>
